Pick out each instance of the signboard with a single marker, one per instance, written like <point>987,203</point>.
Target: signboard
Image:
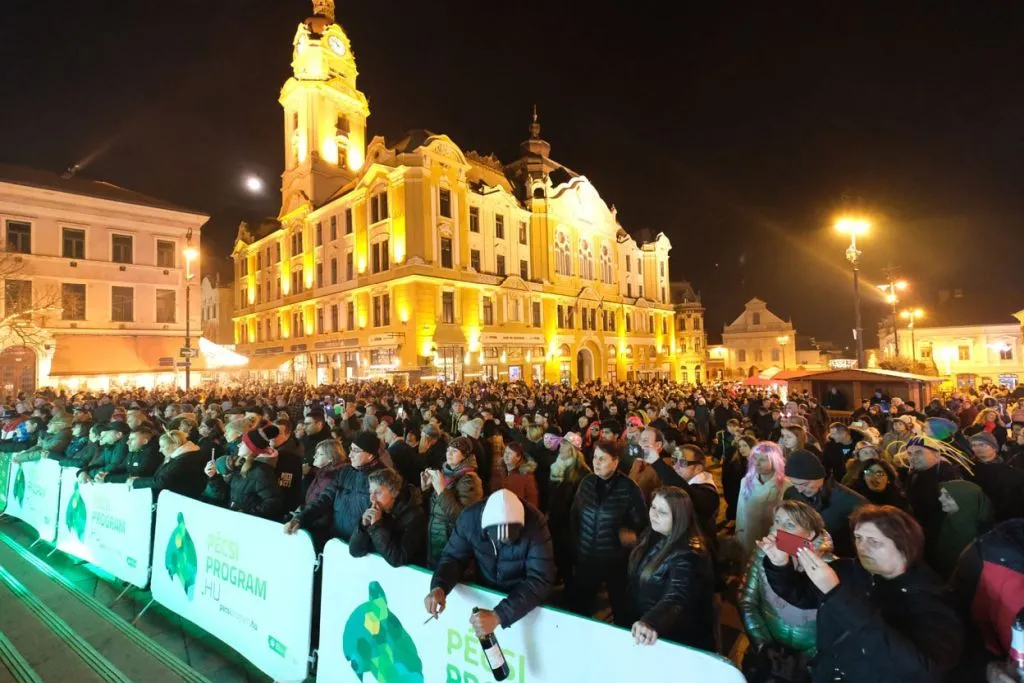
<point>372,622</point>
<point>108,525</point>
<point>239,578</point>
<point>5,475</point>
<point>188,352</point>
<point>33,495</point>
<point>512,339</point>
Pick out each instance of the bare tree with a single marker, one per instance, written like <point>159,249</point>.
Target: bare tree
<point>26,307</point>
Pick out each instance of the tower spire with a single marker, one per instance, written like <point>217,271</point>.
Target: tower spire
<point>324,8</point>
<point>534,125</point>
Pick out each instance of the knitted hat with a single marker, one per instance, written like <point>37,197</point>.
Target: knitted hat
<point>940,427</point>
<point>259,441</point>
<point>367,441</point>
<point>803,464</point>
<point>462,444</point>
<point>986,438</point>
<point>472,428</point>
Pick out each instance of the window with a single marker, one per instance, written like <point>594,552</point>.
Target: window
<point>297,324</point>
<point>627,263</point>
<point>319,275</point>
<point>279,328</point>
<point>334,318</point>
<point>488,311</point>
<point>445,204</point>
<point>319,321</point>
<point>348,221</point>
<point>926,351</point>
<point>446,252</point>
<point>522,232</point>
<point>348,266</point>
<point>629,289</point>
<point>664,325</point>
<point>448,307</point>
<point>277,252</point>
<point>334,271</point>
<point>319,233</point>
<point>563,261</point>
<point>164,253</point>
<point>334,228</point>
<point>165,305</point>
<point>682,324</point>
<point>570,317</point>
<point>72,299</point>
<point>350,316</point>
<point>536,314</point>
<point>379,206</point>
<point>606,265</point>
<point>74,244</point>
<point>379,257</point>
<point>474,259</point>
<point>296,243</point>
<point>17,296</point>
<point>741,356</point>
<point>501,265</point>
<point>776,355</point>
<point>964,352</point>
<point>474,219</point>
<point>121,251</point>
<point>586,261</point>
<point>385,255</point>
<point>19,237</point>
<point>755,319</point>
<point>758,356</point>
<point>524,269</point>
<point>629,323</point>
<point>122,304</point>
<point>1006,353</point>
<point>259,261</point>
<point>561,316</point>
<point>499,227</point>
<point>584,320</point>
<point>381,310</point>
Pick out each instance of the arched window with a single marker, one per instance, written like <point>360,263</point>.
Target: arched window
<point>563,260</point>
<point>606,265</point>
<point>586,261</point>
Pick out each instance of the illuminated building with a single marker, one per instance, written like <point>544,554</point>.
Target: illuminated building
<point>94,283</point>
<point>756,340</point>
<point>414,259</point>
<point>691,347</point>
<point>218,305</point>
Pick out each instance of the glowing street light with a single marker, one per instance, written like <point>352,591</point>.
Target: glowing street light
<point>783,340</point>
<point>892,299</point>
<point>254,184</point>
<point>191,254</point>
<point>912,314</point>
<point>853,227</point>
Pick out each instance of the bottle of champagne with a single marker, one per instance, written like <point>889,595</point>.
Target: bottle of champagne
<point>1016,646</point>
<point>495,657</point>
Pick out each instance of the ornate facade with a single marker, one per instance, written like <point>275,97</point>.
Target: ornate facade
<point>415,259</point>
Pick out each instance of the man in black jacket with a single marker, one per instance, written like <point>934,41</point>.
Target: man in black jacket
<point>143,458</point>
<point>113,452</point>
<point>394,526</point>
<point>833,501</point>
<point>838,450</point>
<point>686,468</point>
<point>511,544</point>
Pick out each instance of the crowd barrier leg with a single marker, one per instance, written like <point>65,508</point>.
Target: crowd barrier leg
<point>135,621</point>
<point>127,587</point>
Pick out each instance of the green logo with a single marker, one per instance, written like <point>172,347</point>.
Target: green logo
<point>19,486</point>
<point>376,643</point>
<point>5,478</point>
<point>75,516</point>
<point>180,557</point>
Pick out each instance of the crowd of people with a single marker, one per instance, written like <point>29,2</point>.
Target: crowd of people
<point>882,544</point>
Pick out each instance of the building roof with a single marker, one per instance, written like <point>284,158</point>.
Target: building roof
<point>864,375</point>
<point>47,180</point>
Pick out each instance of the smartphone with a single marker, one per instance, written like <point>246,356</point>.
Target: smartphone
<point>790,543</point>
<point>510,418</point>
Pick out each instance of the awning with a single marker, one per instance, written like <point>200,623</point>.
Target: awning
<point>272,361</point>
<point>93,354</point>
<point>449,334</point>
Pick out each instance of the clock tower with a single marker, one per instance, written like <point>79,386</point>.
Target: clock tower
<point>324,113</point>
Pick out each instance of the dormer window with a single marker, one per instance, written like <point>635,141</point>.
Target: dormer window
<point>342,125</point>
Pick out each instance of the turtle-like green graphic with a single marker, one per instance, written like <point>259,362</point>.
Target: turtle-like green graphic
<point>180,557</point>
<point>375,642</point>
<point>19,487</point>
<point>75,516</point>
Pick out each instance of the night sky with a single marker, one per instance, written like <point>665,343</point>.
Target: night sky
<point>739,133</point>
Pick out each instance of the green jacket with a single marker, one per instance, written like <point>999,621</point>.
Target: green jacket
<point>768,618</point>
<point>463,488</point>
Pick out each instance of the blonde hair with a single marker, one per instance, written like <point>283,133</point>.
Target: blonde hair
<point>235,428</point>
<point>174,437</point>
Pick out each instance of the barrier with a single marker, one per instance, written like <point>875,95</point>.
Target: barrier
<point>372,621</point>
<point>5,475</point>
<point>239,578</point>
<point>33,495</point>
<point>109,525</point>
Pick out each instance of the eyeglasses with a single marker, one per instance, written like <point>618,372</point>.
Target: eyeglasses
<point>875,473</point>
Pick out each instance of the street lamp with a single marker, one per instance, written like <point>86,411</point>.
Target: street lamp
<point>191,254</point>
<point>892,299</point>
<point>783,340</point>
<point>912,314</point>
<point>854,227</point>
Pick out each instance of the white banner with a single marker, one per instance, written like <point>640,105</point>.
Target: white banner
<point>33,495</point>
<point>108,525</point>
<point>238,577</point>
<point>372,622</point>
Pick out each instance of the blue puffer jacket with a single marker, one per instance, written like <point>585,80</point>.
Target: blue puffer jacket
<point>348,496</point>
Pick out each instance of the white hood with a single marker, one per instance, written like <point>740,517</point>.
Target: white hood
<point>703,478</point>
<point>503,507</point>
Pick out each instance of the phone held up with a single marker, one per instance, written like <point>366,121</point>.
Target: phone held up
<point>790,543</point>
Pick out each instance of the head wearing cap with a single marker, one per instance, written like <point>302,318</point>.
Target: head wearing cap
<point>803,464</point>
<point>504,516</point>
<point>260,440</point>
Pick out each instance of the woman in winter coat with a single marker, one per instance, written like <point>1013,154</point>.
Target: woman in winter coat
<point>517,474</point>
<point>83,447</point>
<point>967,513</point>
<point>671,582</point>
<point>567,471</point>
<point>883,617</point>
<point>880,484</point>
<point>988,421</point>
<point>734,467</point>
<point>211,438</point>
<point>769,620</point>
<point>181,470</point>
<point>327,462</point>
<point>762,487</point>
<point>245,482</point>
<point>450,490</point>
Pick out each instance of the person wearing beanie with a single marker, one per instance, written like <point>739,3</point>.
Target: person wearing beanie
<point>247,482</point>
<point>833,501</point>
<point>932,462</point>
<point>449,491</point>
<point>348,496</point>
<point>472,429</point>
<point>1001,483</point>
<point>947,432</point>
<point>511,546</point>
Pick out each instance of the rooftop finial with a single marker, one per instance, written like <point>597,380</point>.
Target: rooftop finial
<point>324,8</point>
<point>534,126</point>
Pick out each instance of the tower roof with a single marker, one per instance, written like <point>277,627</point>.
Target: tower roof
<point>534,145</point>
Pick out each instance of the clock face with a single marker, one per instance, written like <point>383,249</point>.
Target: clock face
<point>336,45</point>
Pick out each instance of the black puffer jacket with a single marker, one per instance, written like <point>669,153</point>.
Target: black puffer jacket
<point>254,494</point>
<point>400,537</point>
<point>525,570</point>
<point>181,473</point>
<point>110,459</point>
<point>141,463</point>
<point>348,496</point>
<point>676,600</point>
<point>599,510</point>
<point>876,630</point>
<point>79,453</point>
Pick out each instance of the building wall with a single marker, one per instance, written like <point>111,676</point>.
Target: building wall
<point>966,355</point>
<point>757,340</point>
<point>218,305</point>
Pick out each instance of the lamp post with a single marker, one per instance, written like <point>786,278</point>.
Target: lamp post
<point>892,299</point>
<point>783,340</point>
<point>190,253</point>
<point>854,227</point>
<point>912,314</point>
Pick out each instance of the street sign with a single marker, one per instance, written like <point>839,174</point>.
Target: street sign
<point>189,352</point>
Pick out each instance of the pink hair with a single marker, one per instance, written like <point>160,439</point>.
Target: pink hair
<point>774,453</point>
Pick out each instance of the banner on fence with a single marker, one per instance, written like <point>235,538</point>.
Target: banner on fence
<point>239,578</point>
<point>108,525</point>
<point>5,477</point>
<point>33,495</point>
<point>372,621</point>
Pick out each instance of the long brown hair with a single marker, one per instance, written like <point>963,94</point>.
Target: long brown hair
<point>685,531</point>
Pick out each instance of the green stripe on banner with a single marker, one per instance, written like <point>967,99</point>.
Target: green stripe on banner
<point>19,668</point>
<point>179,667</point>
<point>5,478</point>
<point>97,662</point>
